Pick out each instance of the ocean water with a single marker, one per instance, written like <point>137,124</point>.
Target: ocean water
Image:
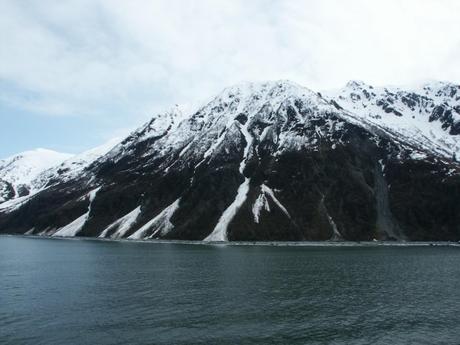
<point>102,292</point>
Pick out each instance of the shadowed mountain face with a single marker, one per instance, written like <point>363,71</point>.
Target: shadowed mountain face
<point>268,161</point>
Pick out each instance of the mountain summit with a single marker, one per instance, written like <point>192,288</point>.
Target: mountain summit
<point>267,161</point>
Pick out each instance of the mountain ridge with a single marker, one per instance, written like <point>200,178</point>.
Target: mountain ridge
<point>18,171</point>
<point>269,161</point>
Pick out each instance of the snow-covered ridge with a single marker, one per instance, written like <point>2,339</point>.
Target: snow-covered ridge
<point>73,166</point>
<point>426,116</point>
<point>159,125</point>
<point>21,169</point>
<point>25,166</point>
<point>204,130</point>
<point>30,172</point>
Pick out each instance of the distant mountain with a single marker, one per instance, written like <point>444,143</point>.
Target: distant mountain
<point>73,166</point>
<point>267,161</point>
<point>17,172</point>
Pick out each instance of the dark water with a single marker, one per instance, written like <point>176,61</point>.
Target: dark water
<point>95,292</point>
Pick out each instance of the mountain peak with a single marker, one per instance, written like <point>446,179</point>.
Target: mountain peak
<point>357,84</point>
<point>39,153</point>
<point>442,89</point>
<point>249,97</point>
<point>19,170</point>
<point>275,88</point>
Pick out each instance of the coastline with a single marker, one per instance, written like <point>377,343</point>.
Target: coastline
<point>255,243</point>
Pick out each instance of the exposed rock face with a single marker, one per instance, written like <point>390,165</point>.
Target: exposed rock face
<point>7,191</point>
<point>270,161</point>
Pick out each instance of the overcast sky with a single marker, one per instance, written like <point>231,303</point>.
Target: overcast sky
<point>74,74</point>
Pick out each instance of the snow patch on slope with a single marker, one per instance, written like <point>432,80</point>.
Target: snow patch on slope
<point>270,192</point>
<point>261,203</point>
<point>160,225</point>
<point>336,234</point>
<point>73,228</point>
<point>220,231</point>
<point>122,225</point>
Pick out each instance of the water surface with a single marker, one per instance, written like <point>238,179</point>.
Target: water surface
<point>101,292</point>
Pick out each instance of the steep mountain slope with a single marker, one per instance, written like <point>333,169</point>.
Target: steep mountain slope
<point>267,161</point>
<point>72,167</point>
<point>17,172</point>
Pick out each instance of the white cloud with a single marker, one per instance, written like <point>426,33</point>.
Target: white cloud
<point>126,58</point>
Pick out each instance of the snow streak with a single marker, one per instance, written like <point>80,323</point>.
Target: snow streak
<point>220,231</point>
<point>121,226</point>
<point>75,227</point>
<point>160,224</point>
<point>262,203</point>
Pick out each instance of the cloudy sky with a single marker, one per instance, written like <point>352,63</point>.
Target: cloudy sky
<point>76,73</point>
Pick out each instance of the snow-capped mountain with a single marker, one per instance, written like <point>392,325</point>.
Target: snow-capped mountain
<point>427,117</point>
<point>23,175</point>
<point>268,161</point>
<point>17,172</point>
<point>72,167</point>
